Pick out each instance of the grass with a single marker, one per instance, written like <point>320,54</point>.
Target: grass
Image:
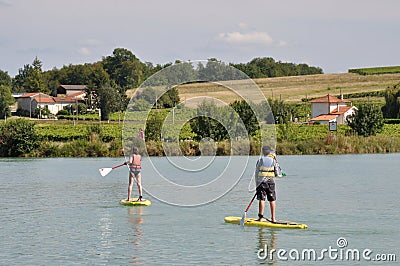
<point>294,89</point>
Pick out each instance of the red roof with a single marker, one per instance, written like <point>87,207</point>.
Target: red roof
<point>76,94</point>
<point>324,117</point>
<point>64,100</point>
<point>342,110</point>
<point>328,99</point>
<point>44,100</point>
<point>33,94</point>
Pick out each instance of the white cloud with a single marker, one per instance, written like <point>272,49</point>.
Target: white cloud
<point>282,43</point>
<point>246,38</point>
<point>243,25</point>
<point>90,42</point>
<point>85,51</point>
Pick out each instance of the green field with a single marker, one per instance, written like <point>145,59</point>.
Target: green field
<point>376,70</point>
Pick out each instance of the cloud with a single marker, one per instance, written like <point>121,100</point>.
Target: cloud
<point>243,25</point>
<point>246,38</point>
<point>90,42</point>
<point>282,43</point>
<point>85,51</point>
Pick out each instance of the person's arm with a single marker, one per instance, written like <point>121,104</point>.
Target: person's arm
<point>256,171</point>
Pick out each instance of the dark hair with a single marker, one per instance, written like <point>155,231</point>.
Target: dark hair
<point>135,150</point>
<point>266,150</point>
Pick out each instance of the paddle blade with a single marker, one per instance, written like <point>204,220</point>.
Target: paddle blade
<point>105,171</point>
<point>242,220</point>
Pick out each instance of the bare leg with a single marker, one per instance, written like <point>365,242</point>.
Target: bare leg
<point>130,185</point>
<point>139,184</point>
<point>261,207</point>
<point>272,205</point>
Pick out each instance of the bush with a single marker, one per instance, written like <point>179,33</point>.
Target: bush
<point>18,137</point>
<point>62,112</point>
<point>366,121</point>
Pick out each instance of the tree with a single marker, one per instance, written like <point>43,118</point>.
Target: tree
<point>30,78</point>
<point>283,112</point>
<point>109,101</point>
<point>6,100</point>
<point>169,99</point>
<point>366,121</point>
<point>18,137</point>
<point>216,71</point>
<point>392,98</point>
<point>153,126</point>
<point>124,68</point>
<point>207,124</point>
<point>267,67</point>
<point>243,109</point>
<point>5,79</point>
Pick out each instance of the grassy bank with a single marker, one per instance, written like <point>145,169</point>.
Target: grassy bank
<point>105,140</point>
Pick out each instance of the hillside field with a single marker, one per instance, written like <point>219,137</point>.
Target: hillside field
<point>295,88</point>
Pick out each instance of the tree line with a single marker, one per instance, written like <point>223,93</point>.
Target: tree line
<point>108,79</point>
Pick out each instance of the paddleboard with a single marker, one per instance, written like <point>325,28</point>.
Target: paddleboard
<point>253,222</point>
<point>134,202</point>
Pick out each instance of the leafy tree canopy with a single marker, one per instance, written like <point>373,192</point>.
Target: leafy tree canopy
<point>367,120</point>
<point>5,79</point>
<point>6,100</point>
<point>17,137</point>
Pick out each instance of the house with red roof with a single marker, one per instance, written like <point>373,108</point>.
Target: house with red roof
<point>330,109</point>
<point>34,100</point>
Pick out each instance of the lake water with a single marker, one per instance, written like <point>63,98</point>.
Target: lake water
<point>62,212</point>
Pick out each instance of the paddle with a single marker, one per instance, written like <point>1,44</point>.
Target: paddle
<point>248,207</point>
<point>106,171</point>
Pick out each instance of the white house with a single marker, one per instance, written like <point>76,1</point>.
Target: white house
<point>25,101</point>
<point>54,104</point>
<point>32,101</point>
<point>330,109</point>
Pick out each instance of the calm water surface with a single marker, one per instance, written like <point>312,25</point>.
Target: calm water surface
<point>62,212</point>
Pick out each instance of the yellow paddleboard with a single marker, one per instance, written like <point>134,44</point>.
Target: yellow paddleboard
<point>134,202</point>
<point>253,222</point>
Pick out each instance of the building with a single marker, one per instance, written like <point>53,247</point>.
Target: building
<point>330,109</point>
<point>54,104</point>
<point>32,101</point>
<point>68,90</point>
<point>26,101</point>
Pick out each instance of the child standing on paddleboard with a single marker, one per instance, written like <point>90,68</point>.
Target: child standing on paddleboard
<point>135,165</point>
<point>265,172</point>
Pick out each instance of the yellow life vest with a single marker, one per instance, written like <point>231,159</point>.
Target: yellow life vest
<point>266,171</point>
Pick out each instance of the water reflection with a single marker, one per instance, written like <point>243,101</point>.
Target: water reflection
<point>135,219</point>
<point>266,243</point>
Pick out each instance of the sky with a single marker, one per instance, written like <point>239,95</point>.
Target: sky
<point>332,34</point>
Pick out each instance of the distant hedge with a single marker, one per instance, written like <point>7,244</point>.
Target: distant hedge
<point>392,121</point>
<point>376,70</point>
